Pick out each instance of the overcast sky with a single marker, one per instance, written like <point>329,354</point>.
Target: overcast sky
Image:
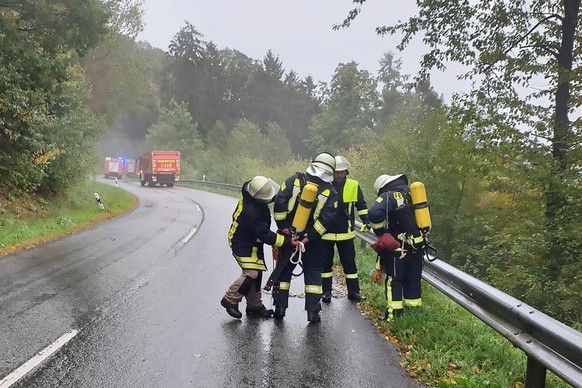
<point>299,32</point>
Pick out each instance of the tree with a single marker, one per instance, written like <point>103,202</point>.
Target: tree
<point>507,48</point>
<point>175,130</point>
<point>393,87</point>
<point>40,84</point>
<point>347,117</point>
<point>277,149</point>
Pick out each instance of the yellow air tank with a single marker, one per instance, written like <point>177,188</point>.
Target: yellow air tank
<point>420,205</point>
<point>306,202</point>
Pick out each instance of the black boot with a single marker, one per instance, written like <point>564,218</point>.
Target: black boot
<point>279,312</point>
<point>326,286</point>
<point>260,312</point>
<point>356,296</point>
<point>231,309</point>
<point>390,315</point>
<point>313,317</point>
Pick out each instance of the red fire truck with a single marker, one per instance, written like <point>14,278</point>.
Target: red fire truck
<point>113,167</point>
<point>159,167</point>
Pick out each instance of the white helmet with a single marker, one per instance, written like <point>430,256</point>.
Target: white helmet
<point>262,189</point>
<point>324,160</point>
<point>383,180</point>
<point>342,164</point>
<point>322,166</point>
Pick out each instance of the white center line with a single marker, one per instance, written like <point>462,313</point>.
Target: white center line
<point>37,360</point>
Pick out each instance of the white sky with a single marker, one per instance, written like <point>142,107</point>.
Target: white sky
<point>299,32</point>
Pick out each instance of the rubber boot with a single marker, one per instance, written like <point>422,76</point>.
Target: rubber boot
<point>231,309</point>
<point>354,290</point>
<point>313,317</point>
<point>326,287</point>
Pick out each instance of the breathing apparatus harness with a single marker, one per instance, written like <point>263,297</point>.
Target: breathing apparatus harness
<point>303,210</point>
<point>414,216</point>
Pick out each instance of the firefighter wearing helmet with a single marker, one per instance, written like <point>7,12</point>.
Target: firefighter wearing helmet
<point>250,229</point>
<point>341,233</point>
<point>318,215</point>
<point>400,244</point>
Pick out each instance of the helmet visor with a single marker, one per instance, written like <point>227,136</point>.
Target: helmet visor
<point>319,172</point>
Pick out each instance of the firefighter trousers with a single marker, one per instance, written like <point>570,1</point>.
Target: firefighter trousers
<point>347,255</point>
<point>248,286</point>
<point>312,263</point>
<point>403,280</point>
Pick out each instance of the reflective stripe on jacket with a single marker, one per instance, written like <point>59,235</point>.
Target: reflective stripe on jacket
<point>287,200</point>
<point>250,229</point>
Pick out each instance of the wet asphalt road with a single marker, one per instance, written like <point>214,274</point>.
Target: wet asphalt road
<point>142,293</point>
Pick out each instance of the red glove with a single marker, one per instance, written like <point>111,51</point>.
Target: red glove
<point>385,243</point>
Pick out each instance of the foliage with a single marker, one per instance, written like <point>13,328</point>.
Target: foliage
<point>175,130</point>
<point>347,116</point>
<point>119,91</point>
<point>227,86</point>
<point>39,82</point>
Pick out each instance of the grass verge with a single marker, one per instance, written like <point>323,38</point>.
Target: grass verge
<point>441,343</point>
<point>27,221</point>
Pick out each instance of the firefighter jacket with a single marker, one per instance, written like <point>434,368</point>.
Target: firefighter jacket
<point>350,198</point>
<point>321,215</point>
<point>250,229</point>
<point>383,217</point>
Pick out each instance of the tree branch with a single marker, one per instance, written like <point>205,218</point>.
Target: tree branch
<point>552,16</point>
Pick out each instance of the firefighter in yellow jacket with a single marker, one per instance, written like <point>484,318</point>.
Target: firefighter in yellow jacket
<point>341,233</point>
<point>250,230</point>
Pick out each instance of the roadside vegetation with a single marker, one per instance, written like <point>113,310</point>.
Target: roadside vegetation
<point>442,344</point>
<point>30,220</point>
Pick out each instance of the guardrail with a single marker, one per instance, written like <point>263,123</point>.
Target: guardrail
<point>548,343</point>
<point>211,184</point>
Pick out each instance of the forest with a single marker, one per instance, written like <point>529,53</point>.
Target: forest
<point>501,163</point>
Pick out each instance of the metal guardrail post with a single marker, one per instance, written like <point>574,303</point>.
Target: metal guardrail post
<point>535,374</point>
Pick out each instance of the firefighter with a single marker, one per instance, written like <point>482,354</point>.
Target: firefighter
<point>392,218</point>
<point>341,232</point>
<point>288,200</point>
<point>250,229</point>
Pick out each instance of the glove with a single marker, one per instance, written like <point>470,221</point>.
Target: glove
<point>377,275</point>
<point>417,242</point>
<point>365,228</point>
<point>385,243</point>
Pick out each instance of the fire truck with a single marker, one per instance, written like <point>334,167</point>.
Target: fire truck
<point>113,167</point>
<point>159,167</point>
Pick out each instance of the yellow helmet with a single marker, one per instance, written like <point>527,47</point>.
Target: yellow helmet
<point>262,189</point>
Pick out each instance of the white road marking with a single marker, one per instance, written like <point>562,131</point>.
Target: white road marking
<point>185,240</point>
<point>37,360</point>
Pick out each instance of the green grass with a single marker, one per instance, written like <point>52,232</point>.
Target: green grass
<point>442,344</point>
<point>27,221</point>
